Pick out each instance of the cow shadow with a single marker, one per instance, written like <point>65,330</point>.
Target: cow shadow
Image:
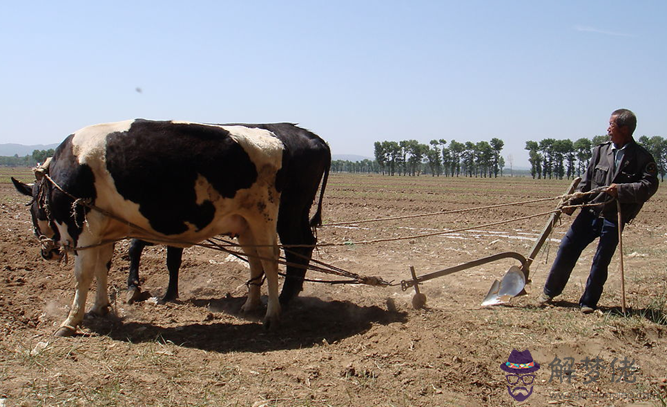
<point>307,322</point>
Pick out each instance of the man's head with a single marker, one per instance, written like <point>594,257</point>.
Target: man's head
<point>622,124</point>
<point>520,367</point>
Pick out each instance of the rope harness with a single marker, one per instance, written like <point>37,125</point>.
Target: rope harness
<point>43,203</point>
<point>49,244</point>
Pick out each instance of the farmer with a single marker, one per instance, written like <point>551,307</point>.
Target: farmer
<point>624,171</point>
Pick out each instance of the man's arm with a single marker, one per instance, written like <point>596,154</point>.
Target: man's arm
<point>641,190</point>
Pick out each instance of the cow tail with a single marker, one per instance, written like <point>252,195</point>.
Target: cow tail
<point>316,220</point>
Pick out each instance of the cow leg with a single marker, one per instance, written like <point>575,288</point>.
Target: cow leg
<point>102,266</point>
<point>256,272</point>
<point>85,266</point>
<point>174,257</point>
<point>298,259</point>
<point>133,290</point>
<point>267,249</point>
<point>294,229</point>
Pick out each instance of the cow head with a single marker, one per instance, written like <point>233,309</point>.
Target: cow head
<point>40,210</point>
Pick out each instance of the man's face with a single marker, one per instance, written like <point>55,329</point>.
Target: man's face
<point>518,385</point>
<point>617,135</point>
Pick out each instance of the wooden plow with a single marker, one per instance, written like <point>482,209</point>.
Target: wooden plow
<point>514,281</point>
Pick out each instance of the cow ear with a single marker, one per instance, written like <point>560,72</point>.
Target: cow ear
<point>25,189</point>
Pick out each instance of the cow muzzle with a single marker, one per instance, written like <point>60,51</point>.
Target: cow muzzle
<point>50,250</point>
<point>53,254</point>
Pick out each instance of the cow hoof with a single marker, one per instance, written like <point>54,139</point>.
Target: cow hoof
<point>250,307</point>
<point>271,323</point>
<point>65,331</point>
<point>100,311</point>
<point>133,295</point>
<point>286,300</point>
<point>166,299</point>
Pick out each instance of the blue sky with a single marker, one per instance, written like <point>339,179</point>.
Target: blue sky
<point>354,72</point>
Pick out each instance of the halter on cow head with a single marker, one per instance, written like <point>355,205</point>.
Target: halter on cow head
<point>40,209</point>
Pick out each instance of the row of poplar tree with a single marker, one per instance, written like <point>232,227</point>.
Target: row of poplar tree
<point>549,158</point>
<point>438,158</point>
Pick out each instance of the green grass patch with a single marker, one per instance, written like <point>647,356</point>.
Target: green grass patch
<point>21,173</point>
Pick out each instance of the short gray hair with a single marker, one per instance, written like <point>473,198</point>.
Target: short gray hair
<point>625,117</point>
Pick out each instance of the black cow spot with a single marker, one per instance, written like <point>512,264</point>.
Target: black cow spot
<point>157,164</point>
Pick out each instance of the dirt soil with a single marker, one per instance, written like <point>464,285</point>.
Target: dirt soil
<point>347,345</point>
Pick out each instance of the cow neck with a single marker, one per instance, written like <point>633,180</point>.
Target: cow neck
<point>88,204</point>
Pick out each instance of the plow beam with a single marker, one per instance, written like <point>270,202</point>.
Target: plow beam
<point>419,299</point>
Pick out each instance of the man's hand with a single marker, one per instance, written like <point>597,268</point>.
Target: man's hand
<point>567,207</point>
<point>612,190</point>
<point>569,210</point>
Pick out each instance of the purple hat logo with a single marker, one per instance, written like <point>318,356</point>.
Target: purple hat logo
<point>520,366</point>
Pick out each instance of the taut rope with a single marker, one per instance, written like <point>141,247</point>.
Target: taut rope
<point>443,212</point>
<point>319,266</point>
<point>159,240</point>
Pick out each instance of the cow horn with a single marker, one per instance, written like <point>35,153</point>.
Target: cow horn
<point>41,169</point>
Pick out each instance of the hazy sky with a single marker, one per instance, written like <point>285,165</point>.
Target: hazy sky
<point>354,72</point>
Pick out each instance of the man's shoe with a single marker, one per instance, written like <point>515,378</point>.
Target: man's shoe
<point>544,299</point>
<point>585,309</point>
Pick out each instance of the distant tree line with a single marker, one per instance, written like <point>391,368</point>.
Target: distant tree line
<point>363,166</point>
<point>657,146</point>
<point>549,158</point>
<point>410,157</point>
<point>30,160</point>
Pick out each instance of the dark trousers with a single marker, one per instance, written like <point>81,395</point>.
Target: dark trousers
<point>586,227</point>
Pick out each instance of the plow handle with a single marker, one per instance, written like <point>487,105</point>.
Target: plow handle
<point>547,230</point>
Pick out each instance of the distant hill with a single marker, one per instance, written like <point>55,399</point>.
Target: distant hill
<point>350,157</point>
<point>11,149</point>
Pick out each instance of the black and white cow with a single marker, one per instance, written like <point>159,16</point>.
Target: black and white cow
<point>307,163</point>
<point>164,182</point>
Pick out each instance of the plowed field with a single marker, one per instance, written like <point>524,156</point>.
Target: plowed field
<point>347,345</point>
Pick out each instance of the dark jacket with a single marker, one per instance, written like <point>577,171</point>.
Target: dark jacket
<point>636,177</point>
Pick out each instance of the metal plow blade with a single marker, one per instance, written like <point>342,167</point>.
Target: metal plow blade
<point>510,286</point>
